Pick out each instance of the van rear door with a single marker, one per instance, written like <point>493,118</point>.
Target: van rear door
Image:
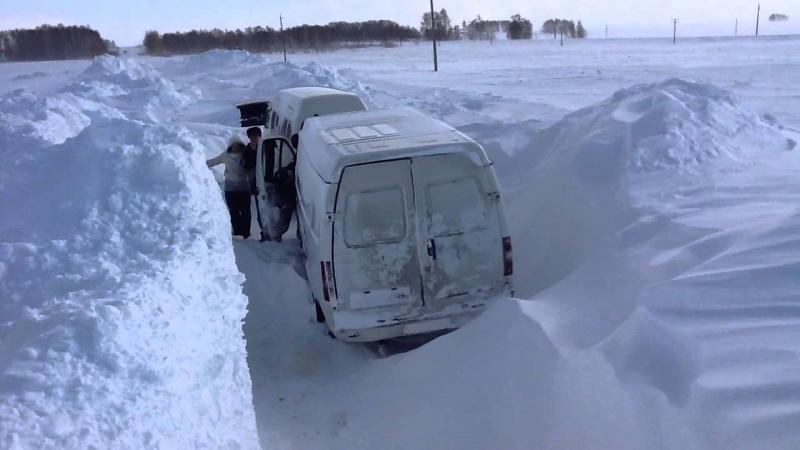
<point>375,255</point>
<point>460,229</point>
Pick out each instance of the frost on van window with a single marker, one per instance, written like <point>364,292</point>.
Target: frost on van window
<point>455,206</point>
<point>374,217</point>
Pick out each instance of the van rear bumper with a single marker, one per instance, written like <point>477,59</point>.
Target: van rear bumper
<point>362,326</point>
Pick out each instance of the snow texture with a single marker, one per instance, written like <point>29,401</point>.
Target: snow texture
<point>652,195</point>
<point>120,324</point>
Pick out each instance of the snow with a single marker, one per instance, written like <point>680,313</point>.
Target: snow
<point>121,316</point>
<point>652,195</point>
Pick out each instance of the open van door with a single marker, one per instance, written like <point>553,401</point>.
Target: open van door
<point>275,174</point>
<point>253,114</point>
<point>461,235</point>
<point>375,256</point>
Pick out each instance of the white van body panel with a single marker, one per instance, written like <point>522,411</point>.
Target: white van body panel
<point>287,111</point>
<point>295,105</point>
<point>374,228</point>
<point>413,223</point>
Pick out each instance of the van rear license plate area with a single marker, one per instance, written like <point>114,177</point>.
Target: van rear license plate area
<point>427,325</point>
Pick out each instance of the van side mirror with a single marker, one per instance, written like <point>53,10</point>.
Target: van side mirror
<point>295,140</point>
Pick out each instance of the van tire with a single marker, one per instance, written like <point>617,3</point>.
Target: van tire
<point>319,313</point>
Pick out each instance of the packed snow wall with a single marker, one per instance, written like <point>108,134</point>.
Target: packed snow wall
<point>122,308</point>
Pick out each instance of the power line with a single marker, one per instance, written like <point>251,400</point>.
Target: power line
<point>283,38</point>
<point>758,16</point>
<point>433,37</point>
<point>674,30</point>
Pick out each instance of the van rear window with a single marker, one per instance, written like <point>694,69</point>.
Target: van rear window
<point>376,216</point>
<point>456,206</point>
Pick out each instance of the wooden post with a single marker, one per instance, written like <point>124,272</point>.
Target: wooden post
<point>758,16</point>
<point>736,28</point>
<point>283,39</point>
<point>433,37</point>
<point>562,36</point>
<point>674,30</point>
<point>555,28</point>
<point>606,31</point>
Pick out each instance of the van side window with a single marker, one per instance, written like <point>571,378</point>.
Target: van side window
<point>376,216</point>
<point>455,206</point>
<point>286,155</point>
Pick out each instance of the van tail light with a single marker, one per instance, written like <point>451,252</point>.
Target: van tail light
<point>327,280</point>
<point>508,260</point>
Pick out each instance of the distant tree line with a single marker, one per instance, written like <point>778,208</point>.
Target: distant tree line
<point>516,28</point>
<point>48,42</point>
<point>519,28</point>
<point>444,30</point>
<point>481,29</point>
<point>570,28</point>
<point>266,39</point>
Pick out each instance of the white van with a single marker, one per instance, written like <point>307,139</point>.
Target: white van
<point>283,116</point>
<point>289,108</point>
<point>402,224</point>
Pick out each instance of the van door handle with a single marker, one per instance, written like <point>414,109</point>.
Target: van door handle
<point>432,249</point>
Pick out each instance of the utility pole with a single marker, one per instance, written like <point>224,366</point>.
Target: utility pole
<point>555,29</point>
<point>283,39</point>
<point>433,36</point>
<point>736,28</point>
<point>758,16</point>
<point>674,30</point>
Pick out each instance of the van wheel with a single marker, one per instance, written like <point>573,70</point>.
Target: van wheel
<point>320,314</point>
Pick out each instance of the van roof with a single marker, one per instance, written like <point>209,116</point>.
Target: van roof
<point>335,141</point>
<point>297,104</point>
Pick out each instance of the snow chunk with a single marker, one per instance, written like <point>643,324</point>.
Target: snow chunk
<point>120,324</point>
<point>46,120</point>
<point>134,87</point>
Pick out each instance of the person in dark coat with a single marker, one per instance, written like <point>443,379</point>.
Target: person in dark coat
<point>237,186</point>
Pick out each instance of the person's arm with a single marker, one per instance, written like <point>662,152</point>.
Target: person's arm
<point>216,161</point>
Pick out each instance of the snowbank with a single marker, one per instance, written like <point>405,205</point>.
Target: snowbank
<point>216,59</point>
<point>675,125</point>
<point>29,119</point>
<point>575,191</point>
<point>134,87</point>
<point>277,76</point>
<point>121,319</point>
<point>500,382</point>
<point>444,104</point>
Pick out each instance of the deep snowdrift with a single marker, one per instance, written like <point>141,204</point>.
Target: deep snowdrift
<point>589,363</point>
<point>120,324</point>
<point>581,170</point>
<point>134,87</point>
<point>655,232</point>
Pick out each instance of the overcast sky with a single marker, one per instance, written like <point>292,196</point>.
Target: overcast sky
<point>126,21</point>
